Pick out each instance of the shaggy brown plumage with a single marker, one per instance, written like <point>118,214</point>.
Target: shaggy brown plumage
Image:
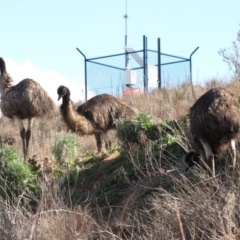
<point>26,100</point>
<point>96,116</point>
<point>214,122</point>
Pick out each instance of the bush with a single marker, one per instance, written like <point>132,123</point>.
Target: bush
<point>129,130</point>
<point>151,145</point>
<point>66,149</point>
<point>16,175</point>
<point>166,135</point>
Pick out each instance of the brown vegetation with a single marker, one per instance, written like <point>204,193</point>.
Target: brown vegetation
<point>159,202</point>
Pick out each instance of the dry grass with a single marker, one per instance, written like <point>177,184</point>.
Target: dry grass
<point>161,202</point>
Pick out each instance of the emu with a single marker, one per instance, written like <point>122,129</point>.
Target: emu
<point>25,100</point>
<point>214,122</point>
<point>96,116</point>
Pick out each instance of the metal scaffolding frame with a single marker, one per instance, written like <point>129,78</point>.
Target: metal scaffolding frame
<point>144,66</point>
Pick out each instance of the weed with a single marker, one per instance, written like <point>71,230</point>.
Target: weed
<point>16,175</point>
<point>66,149</point>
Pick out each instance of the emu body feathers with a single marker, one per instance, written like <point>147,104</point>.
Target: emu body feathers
<point>214,123</point>
<point>25,100</point>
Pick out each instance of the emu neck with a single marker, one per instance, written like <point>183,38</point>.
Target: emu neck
<point>76,122</point>
<point>6,83</point>
<point>66,99</point>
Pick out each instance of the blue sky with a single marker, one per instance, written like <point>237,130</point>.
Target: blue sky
<point>39,38</point>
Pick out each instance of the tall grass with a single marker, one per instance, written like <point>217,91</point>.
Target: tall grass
<point>141,193</point>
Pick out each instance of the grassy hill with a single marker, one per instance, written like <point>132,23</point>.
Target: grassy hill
<point>138,190</point>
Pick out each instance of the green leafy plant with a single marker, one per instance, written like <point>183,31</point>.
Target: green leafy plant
<point>145,121</point>
<point>129,130</point>
<point>15,174</point>
<point>155,141</point>
<point>66,149</point>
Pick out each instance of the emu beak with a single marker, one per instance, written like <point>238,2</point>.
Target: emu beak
<point>59,97</point>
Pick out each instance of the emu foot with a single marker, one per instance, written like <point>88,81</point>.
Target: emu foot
<point>100,154</point>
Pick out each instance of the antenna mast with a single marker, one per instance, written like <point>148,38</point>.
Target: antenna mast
<point>126,39</point>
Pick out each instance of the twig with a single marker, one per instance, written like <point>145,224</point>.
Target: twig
<point>34,223</point>
<point>179,221</point>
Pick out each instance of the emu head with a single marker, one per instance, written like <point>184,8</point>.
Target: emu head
<point>63,91</point>
<point>191,158</point>
<point>2,66</point>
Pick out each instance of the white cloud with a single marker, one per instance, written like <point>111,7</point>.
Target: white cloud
<point>48,79</point>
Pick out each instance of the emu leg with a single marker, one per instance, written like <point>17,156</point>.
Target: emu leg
<point>22,134</point>
<point>203,160</point>
<point>99,142</point>
<point>209,155</point>
<point>211,158</point>
<point>233,149</point>
<point>28,135</point>
<point>107,141</point>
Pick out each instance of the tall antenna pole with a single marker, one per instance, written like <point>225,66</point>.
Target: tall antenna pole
<point>126,39</point>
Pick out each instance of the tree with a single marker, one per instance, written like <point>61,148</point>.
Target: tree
<point>231,56</point>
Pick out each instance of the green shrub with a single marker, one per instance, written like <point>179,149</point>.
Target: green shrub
<point>66,149</point>
<point>15,174</point>
<point>129,130</point>
<point>154,142</point>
